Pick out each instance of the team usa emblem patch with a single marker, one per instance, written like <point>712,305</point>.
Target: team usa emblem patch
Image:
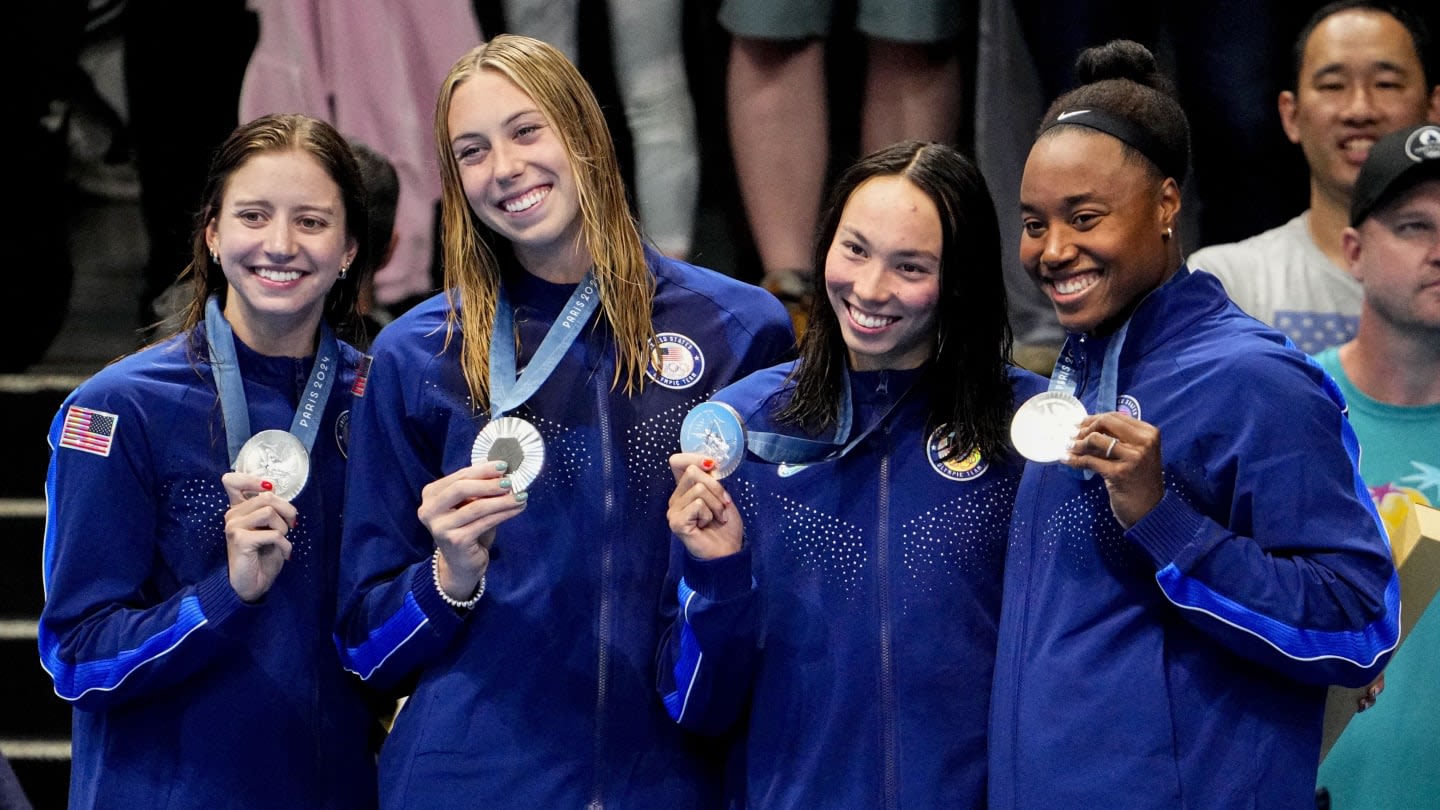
<point>88,431</point>
<point>957,467</point>
<point>675,361</point>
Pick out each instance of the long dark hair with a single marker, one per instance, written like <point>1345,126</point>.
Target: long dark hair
<point>973,338</point>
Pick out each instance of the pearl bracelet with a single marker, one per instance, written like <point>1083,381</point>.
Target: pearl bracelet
<point>454,603</point>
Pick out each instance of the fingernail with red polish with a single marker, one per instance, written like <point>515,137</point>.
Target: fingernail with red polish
<point>266,485</point>
<point>708,464</point>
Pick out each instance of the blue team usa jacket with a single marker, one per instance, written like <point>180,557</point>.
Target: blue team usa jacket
<point>543,695</point>
<point>1184,663</point>
<point>185,696</point>
<point>850,642</point>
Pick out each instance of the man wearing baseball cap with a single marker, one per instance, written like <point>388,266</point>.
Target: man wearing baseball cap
<point>1389,756</point>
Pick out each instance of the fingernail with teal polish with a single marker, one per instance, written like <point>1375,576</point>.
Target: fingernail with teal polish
<point>522,497</point>
<point>501,466</point>
<point>505,482</point>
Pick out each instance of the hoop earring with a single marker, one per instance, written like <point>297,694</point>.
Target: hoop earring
<point>214,257</point>
<point>1169,232</point>
<point>344,268</point>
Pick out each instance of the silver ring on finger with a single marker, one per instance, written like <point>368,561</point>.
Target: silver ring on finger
<point>1109,451</point>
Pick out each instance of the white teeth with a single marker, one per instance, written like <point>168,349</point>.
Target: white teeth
<point>1075,284</point>
<point>525,201</point>
<point>870,321</point>
<point>278,276</point>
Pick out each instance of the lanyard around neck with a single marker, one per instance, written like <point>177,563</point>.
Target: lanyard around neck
<point>778,448</point>
<point>225,365</point>
<point>509,389</point>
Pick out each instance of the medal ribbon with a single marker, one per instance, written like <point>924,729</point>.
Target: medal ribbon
<point>223,361</point>
<point>509,390</point>
<point>1107,396</point>
<point>778,448</point>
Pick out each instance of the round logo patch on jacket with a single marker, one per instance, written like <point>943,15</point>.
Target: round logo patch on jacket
<point>675,361</point>
<point>1128,405</point>
<point>342,433</point>
<point>957,467</point>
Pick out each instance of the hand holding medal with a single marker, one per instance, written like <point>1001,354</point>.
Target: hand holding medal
<point>716,431</point>
<point>1054,427</point>
<point>256,542</point>
<point>700,512</point>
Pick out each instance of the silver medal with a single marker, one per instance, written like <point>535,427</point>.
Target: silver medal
<point>716,431</point>
<point>278,457</point>
<point>1044,426</point>
<point>517,443</point>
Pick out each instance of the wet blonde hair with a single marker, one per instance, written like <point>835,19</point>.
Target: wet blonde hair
<point>611,234</point>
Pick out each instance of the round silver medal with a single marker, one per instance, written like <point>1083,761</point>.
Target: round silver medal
<point>517,443</point>
<point>278,457</point>
<point>717,431</point>
<point>1044,426</point>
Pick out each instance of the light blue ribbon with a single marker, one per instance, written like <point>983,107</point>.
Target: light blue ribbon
<point>231,385</point>
<point>509,389</point>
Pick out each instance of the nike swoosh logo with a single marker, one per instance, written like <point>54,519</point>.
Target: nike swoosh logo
<point>786,470</point>
<point>1070,114</point>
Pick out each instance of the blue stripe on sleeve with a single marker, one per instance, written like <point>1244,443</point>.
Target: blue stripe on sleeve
<point>1361,647</point>
<point>386,640</point>
<point>73,681</point>
<point>687,664</point>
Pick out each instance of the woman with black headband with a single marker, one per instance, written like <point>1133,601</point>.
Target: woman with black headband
<point>1193,557</point>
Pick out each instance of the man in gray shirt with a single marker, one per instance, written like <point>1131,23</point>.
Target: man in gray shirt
<point>1360,73</point>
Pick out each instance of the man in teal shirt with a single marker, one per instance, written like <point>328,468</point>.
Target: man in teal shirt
<point>1389,756</point>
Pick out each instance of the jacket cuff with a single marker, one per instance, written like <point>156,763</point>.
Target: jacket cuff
<point>720,579</point>
<point>1167,530</point>
<point>218,601</point>
<point>427,596</point>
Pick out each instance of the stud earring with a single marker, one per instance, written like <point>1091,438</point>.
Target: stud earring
<point>1169,232</point>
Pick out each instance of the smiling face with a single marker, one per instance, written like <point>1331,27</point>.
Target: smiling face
<point>517,174</point>
<point>280,233</point>
<point>882,274</point>
<point>1360,78</point>
<point>1094,227</point>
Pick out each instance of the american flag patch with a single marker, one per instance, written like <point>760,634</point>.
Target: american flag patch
<point>87,430</point>
<point>362,373</point>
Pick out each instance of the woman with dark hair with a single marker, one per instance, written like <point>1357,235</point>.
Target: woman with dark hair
<point>841,607</point>
<point>194,499</point>
<point>1173,610</point>
<point>503,533</point>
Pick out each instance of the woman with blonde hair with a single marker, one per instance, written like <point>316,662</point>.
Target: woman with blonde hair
<point>506,541</point>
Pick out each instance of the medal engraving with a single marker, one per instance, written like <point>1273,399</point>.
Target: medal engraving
<point>715,430</point>
<point>278,457</point>
<point>517,443</point>
<point>1043,427</point>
